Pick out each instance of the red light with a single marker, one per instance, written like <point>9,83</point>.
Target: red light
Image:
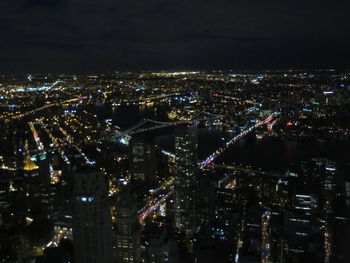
<point>289,124</point>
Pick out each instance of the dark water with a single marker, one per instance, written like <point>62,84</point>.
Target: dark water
<point>269,153</point>
<point>126,116</point>
<point>275,154</point>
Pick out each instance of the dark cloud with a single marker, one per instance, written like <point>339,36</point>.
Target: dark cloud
<point>77,35</point>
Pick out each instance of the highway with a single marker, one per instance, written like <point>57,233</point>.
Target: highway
<point>152,206</point>
<point>38,142</point>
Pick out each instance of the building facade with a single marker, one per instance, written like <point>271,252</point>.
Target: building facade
<point>92,227</point>
<point>186,181</point>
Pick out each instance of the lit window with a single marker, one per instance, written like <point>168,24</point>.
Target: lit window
<point>85,199</point>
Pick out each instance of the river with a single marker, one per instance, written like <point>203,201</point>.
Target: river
<point>268,153</point>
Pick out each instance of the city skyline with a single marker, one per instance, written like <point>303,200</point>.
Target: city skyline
<point>167,131</point>
<point>180,167</point>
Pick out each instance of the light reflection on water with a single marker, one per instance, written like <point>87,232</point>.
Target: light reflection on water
<point>269,153</point>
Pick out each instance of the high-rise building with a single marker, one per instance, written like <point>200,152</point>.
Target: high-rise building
<point>142,161</point>
<point>185,207</point>
<point>301,227</point>
<point>127,238</point>
<point>92,228</point>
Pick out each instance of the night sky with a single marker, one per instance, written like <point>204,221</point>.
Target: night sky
<point>105,35</point>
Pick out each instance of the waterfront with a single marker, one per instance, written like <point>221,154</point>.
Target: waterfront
<point>269,153</point>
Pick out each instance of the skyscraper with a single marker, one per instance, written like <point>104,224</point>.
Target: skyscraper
<point>127,236</point>
<point>92,228</point>
<point>142,161</point>
<point>185,209</point>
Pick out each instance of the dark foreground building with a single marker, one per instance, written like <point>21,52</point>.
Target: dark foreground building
<point>92,233</point>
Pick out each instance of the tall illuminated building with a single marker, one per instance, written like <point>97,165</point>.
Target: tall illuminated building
<point>92,227</point>
<point>127,238</point>
<point>142,161</point>
<point>186,182</point>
